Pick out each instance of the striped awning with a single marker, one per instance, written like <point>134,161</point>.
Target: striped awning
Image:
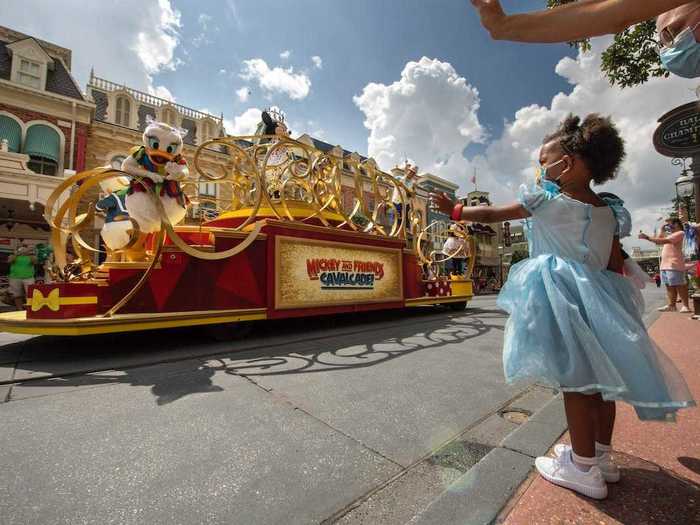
<point>42,141</point>
<point>11,131</point>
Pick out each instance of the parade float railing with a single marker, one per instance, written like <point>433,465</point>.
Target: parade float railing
<point>267,177</point>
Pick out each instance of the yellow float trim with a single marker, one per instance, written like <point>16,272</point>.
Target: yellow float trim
<point>297,210</point>
<point>53,300</point>
<point>17,322</point>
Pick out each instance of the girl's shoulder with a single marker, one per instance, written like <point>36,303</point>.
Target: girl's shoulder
<point>621,213</point>
<point>535,196</point>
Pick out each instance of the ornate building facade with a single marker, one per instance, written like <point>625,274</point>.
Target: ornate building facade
<point>44,122</point>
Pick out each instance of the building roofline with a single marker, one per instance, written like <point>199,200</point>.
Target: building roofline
<point>44,93</point>
<point>103,84</point>
<point>51,49</point>
<point>439,180</point>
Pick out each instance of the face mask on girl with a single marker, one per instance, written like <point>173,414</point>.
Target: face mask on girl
<point>546,183</point>
<point>543,172</point>
<point>683,56</point>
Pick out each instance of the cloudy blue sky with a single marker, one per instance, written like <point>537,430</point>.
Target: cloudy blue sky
<point>392,78</point>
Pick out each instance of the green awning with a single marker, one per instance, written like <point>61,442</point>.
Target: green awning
<point>42,141</point>
<point>11,131</point>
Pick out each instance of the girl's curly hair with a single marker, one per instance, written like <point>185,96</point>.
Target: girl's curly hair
<point>595,140</point>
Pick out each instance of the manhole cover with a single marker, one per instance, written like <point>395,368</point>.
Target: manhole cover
<point>515,416</point>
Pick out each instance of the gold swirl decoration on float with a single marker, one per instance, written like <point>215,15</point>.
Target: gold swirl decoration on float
<point>265,177</point>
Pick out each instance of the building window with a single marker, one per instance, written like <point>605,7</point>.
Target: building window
<point>169,116</point>
<point>123,112</point>
<point>207,189</point>
<point>43,145</point>
<point>42,165</point>
<point>207,211</point>
<point>116,161</point>
<point>29,73</point>
<point>11,131</point>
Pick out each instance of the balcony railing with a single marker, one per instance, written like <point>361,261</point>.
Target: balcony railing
<point>146,98</point>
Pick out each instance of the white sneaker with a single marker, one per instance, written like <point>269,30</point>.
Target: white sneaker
<point>685,310</point>
<point>667,308</point>
<point>562,471</point>
<point>610,471</point>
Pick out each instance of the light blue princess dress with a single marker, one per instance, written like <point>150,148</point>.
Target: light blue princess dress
<point>575,325</point>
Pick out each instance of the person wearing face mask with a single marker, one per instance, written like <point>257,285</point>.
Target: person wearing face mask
<point>676,25</point>
<point>575,322</point>
<point>672,264</point>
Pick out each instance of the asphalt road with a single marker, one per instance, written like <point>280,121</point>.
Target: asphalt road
<point>350,419</point>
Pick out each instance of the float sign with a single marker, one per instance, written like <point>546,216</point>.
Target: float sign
<point>311,273</point>
<point>678,134</point>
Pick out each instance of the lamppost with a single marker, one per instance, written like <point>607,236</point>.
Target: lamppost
<point>688,184</point>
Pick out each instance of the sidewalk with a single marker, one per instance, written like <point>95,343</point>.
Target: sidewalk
<point>660,462</point>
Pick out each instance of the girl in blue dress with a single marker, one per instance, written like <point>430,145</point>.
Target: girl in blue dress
<point>575,322</point>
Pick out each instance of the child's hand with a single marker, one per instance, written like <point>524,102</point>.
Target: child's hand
<point>643,236</point>
<point>442,203</point>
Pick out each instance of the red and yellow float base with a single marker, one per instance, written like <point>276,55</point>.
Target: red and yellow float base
<point>267,258</point>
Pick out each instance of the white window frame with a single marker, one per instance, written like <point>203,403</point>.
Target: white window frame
<point>61,137</point>
<point>170,115</point>
<point>203,188</point>
<point>36,76</point>
<point>122,117</point>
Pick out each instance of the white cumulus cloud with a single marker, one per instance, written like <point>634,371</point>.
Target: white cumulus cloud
<point>245,123</point>
<point>155,46</point>
<point>276,80</point>
<point>318,61</point>
<point>242,94</point>
<point>284,55</point>
<point>431,115</point>
<point>142,41</point>
<point>646,179</point>
<point>428,115</point>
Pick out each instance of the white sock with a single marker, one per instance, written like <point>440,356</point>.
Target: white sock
<point>601,449</point>
<point>583,463</point>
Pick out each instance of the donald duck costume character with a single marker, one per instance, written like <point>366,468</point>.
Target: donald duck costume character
<point>116,232</point>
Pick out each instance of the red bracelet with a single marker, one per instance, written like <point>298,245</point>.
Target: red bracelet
<point>457,212</point>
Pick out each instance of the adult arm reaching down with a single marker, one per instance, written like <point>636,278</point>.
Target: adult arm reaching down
<point>570,22</point>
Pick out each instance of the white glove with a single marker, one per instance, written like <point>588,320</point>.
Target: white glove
<point>176,171</point>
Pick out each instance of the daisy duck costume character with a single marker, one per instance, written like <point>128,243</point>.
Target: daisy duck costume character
<point>156,167</point>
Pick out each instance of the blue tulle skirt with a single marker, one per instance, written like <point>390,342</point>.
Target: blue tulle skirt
<point>581,330</point>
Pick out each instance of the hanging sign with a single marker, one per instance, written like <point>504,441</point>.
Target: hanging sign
<point>678,133</point>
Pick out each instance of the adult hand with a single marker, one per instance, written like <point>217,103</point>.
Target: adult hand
<point>442,203</point>
<point>643,236</point>
<point>491,14</point>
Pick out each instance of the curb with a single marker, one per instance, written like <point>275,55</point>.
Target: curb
<point>479,495</point>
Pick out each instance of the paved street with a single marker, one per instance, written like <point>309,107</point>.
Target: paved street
<point>352,419</point>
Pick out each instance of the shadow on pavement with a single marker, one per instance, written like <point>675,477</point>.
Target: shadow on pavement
<point>179,362</point>
<point>647,493</point>
<point>690,463</point>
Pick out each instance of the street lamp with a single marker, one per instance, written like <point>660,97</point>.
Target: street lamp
<point>685,186</point>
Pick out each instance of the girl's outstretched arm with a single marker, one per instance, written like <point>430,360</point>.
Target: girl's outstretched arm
<point>491,214</point>
<point>574,21</point>
<point>487,214</point>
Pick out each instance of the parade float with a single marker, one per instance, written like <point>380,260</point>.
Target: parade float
<point>286,241</point>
